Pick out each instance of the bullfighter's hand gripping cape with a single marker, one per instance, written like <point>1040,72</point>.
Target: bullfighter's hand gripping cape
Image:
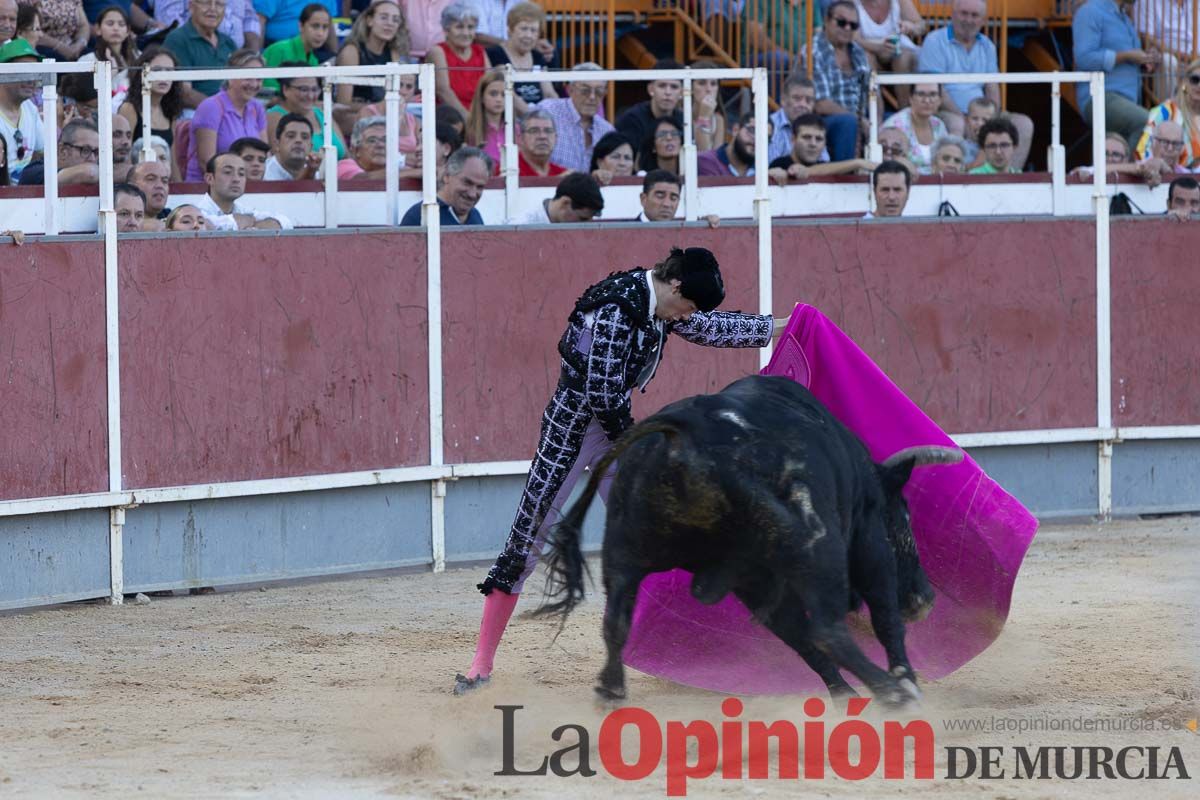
<point>971,535</point>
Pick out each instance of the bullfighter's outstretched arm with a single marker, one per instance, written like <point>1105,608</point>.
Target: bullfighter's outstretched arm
<point>726,329</point>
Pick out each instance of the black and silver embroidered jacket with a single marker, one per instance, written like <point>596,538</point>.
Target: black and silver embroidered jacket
<point>612,339</point>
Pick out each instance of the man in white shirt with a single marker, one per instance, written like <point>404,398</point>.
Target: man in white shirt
<point>577,198</point>
<point>20,120</point>
<point>225,175</point>
<point>293,159</point>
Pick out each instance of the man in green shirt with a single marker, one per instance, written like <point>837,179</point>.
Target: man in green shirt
<point>997,140</point>
<point>198,44</point>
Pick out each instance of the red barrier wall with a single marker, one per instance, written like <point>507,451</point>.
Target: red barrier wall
<point>1155,322</point>
<point>506,301</point>
<point>985,325</point>
<point>52,368</point>
<point>246,358</point>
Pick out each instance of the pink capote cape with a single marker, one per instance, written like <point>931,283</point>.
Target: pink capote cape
<point>970,533</point>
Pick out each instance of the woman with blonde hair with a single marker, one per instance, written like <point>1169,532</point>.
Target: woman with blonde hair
<point>230,114</point>
<point>1184,109</point>
<point>485,120</point>
<point>379,36</point>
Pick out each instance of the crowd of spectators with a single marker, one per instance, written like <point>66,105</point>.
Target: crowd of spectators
<point>224,134</point>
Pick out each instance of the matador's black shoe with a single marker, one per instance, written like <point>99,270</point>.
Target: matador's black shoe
<point>463,684</point>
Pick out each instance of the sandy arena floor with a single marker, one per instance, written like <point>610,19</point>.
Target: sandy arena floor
<point>340,689</point>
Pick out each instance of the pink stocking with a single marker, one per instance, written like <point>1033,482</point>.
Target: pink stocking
<point>497,608</point>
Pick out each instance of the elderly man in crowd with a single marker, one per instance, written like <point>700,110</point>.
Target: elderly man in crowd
<point>154,179</point>
<point>8,20</point>
<point>1166,143</point>
<point>576,121</point>
<point>368,149</point>
<point>535,144</point>
<point>466,174</point>
<point>1183,198</point>
<point>890,183</point>
<point>78,156</point>
<point>962,47</point>
<point>225,175</point>
<point>130,206</point>
<point>198,43</point>
<point>294,158</point>
<point>240,21</point>
<point>577,198</point>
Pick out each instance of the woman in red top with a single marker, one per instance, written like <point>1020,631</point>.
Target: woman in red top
<point>459,60</point>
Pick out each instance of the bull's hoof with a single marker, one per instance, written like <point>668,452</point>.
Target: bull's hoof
<point>907,680</point>
<point>464,685</point>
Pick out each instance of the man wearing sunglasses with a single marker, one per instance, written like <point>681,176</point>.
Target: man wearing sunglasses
<point>20,120</point>
<point>78,156</point>
<point>840,75</point>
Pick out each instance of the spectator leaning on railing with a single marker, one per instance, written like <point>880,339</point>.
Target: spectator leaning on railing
<point>808,151</point>
<point>293,159</point>
<point>1106,40</point>
<point>613,157</point>
<point>1163,160</point>
<point>800,98</point>
<point>154,179</point>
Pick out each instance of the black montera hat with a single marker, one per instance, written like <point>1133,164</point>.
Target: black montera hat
<point>701,281</point>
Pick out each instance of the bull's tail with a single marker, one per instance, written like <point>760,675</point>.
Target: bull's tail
<point>565,566</point>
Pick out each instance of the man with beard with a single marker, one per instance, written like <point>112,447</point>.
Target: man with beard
<point>294,159</point>
<point>154,179</point>
<point>737,159</point>
<point>122,142</point>
<point>805,159</point>
<point>20,120</point>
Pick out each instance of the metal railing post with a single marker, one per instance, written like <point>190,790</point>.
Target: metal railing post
<point>1057,154</point>
<point>50,154</point>
<point>391,180</point>
<point>691,178</point>
<point>509,152</point>
<point>329,158</point>
<point>762,199</point>
<point>431,214</point>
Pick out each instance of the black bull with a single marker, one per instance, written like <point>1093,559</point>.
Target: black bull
<point>758,490</point>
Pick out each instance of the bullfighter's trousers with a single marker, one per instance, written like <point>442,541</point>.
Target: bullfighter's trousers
<point>571,443</point>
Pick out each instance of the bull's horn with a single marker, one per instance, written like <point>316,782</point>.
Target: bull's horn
<point>925,454</point>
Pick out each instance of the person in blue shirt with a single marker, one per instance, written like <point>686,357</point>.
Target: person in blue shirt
<point>139,20</point>
<point>466,174</point>
<point>281,18</point>
<point>1106,40</point>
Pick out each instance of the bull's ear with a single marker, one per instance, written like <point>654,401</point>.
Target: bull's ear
<point>896,470</point>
